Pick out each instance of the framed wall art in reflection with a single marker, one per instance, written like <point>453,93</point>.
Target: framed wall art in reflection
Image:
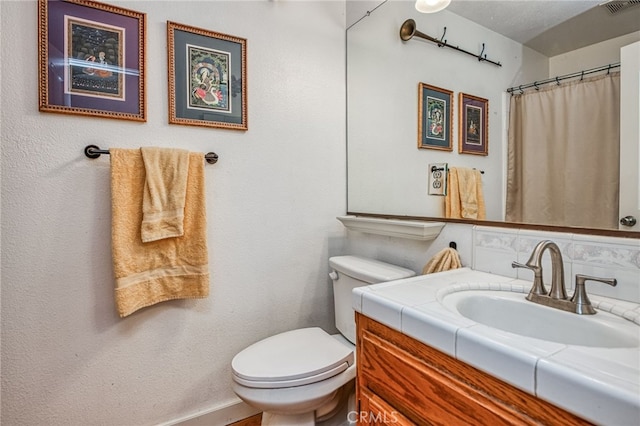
<point>474,125</point>
<point>435,114</point>
<point>91,59</point>
<point>207,78</point>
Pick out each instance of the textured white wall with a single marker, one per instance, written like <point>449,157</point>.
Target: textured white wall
<point>67,359</point>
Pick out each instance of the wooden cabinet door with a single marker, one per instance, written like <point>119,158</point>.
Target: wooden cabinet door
<point>375,411</point>
<point>404,382</point>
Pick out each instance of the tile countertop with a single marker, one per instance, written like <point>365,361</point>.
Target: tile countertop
<point>601,385</point>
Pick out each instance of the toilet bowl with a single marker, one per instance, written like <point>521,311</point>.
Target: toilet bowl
<point>293,374</point>
<point>305,376</point>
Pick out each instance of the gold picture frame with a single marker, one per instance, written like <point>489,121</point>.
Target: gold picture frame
<point>207,78</point>
<point>92,59</point>
<point>473,123</point>
<point>435,117</point>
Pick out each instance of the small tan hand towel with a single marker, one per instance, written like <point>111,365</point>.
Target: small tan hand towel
<point>465,199</point>
<point>444,260</point>
<point>170,268</point>
<point>165,189</point>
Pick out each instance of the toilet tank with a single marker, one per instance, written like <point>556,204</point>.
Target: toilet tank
<point>349,272</point>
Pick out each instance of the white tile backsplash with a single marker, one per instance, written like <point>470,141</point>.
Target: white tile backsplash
<point>494,249</point>
<point>527,240</point>
<point>607,257</point>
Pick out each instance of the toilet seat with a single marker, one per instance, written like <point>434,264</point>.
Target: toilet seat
<point>293,358</point>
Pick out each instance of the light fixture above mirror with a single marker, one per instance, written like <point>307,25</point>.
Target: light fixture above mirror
<point>431,6</point>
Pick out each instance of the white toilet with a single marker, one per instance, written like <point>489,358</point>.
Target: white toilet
<point>305,376</point>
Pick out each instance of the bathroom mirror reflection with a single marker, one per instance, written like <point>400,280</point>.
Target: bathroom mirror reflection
<point>388,174</point>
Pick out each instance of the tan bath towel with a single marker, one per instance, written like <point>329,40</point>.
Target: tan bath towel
<point>165,188</point>
<point>464,199</point>
<point>170,268</point>
<point>444,260</point>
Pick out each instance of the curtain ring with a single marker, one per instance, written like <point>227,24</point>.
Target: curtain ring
<point>582,76</point>
<point>558,81</point>
<point>535,83</point>
<point>521,91</point>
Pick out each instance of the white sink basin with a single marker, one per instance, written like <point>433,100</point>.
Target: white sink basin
<point>511,312</point>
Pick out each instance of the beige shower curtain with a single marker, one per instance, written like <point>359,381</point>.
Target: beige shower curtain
<point>563,154</point>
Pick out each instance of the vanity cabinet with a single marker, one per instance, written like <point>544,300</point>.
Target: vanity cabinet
<point>401,381</point>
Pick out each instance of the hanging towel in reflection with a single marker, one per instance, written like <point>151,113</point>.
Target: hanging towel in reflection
<point>165,188</point>
<point>444,260</point>
<point>464,199</point>
<point>165,269</point>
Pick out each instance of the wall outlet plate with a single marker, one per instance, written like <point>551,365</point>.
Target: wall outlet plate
<point>438,178</point>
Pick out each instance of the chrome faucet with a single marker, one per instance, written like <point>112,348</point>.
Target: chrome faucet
<point>557,296</point>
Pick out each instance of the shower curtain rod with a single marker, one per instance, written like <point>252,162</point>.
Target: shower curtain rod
<point>580,74</point>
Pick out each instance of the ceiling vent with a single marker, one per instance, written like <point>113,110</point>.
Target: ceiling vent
<point>617,6</point>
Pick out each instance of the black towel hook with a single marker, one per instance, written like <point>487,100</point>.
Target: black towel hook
<point>442,40</point>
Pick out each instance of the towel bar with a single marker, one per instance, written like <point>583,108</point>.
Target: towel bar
<point>93,151</point>
<point>435,169</point>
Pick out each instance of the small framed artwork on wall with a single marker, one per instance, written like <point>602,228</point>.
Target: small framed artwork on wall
<point>91,59</point>
<point>435,113</point>
<point>207,78</point>
<point>474,125</point>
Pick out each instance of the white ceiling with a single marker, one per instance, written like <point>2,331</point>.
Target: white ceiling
<point>551,27</point>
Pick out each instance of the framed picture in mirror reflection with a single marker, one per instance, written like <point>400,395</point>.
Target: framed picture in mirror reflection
<point>474,125</point>
<point>435,117</point>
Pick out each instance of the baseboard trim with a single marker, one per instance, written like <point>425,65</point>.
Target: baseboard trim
<point>220,415</point>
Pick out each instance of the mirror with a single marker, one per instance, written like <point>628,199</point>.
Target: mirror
<point>387,172</point>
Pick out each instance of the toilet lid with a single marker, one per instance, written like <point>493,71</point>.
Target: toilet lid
<point>293,358</point>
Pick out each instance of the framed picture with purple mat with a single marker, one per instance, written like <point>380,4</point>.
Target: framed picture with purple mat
<point>91,59</point>
<point>474,125</point>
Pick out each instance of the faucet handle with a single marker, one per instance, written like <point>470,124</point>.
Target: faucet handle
<point>580,298</point>
<point>538,286</point>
